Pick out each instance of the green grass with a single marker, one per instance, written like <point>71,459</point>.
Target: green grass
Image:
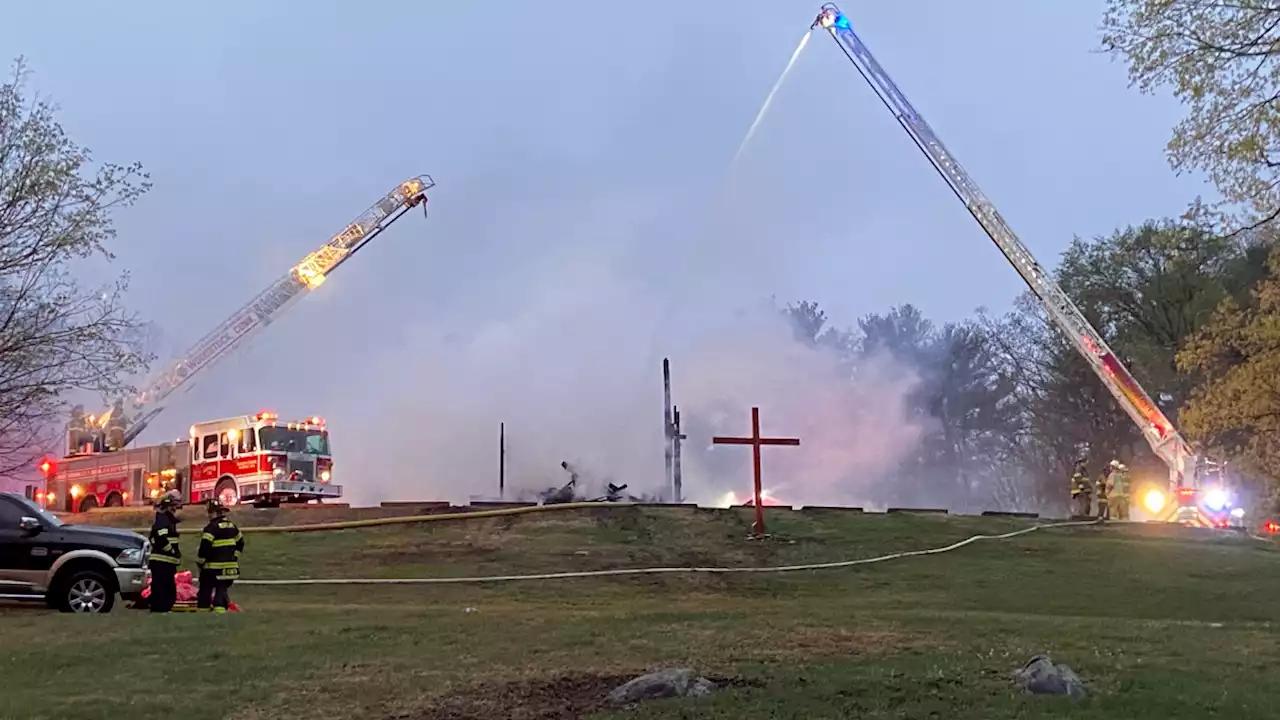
<point>1160,622</point>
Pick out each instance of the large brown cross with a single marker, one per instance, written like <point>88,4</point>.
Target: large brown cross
<point>756,442</point>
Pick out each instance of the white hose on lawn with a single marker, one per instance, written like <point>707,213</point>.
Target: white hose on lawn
<point>666,570</point>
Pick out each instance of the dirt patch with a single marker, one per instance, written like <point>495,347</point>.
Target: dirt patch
<point>567,697</point>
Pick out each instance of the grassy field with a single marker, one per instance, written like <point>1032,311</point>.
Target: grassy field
<point>1160,623</point>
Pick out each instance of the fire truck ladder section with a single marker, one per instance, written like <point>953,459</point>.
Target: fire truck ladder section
<point>271,303</point>
<point>1163,437</point>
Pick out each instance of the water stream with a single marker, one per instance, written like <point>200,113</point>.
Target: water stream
<point>764,109</point>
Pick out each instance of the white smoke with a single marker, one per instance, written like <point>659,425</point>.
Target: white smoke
<point>572,368</point>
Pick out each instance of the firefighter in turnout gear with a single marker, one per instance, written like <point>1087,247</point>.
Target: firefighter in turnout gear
<point>1081,490</point>
<point>165,555</point>
<point>1118,490</point>
<point>219,559</point>
<point>1102,491</point>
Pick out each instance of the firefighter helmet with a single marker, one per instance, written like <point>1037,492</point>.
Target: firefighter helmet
<point>169,501</point>
<point>217,508</point>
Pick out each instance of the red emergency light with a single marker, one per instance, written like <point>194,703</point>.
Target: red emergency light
<point>1272,526</point>
<point>266,415</point>
<point>48,468</point>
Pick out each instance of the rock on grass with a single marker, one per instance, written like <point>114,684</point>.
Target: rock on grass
<point>669,683</point>
<point>1040,676</point>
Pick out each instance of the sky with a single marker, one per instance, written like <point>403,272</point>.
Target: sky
<point>586,222</point>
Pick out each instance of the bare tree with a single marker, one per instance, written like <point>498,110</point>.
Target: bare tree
<point>57,336</point>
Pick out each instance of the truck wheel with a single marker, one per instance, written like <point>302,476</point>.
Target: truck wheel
<point>115,500</point>
<point>226,492</point>
<point>87,503</point>
<point>85,591</point>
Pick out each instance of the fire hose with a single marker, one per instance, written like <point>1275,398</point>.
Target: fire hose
<point>665,570</point>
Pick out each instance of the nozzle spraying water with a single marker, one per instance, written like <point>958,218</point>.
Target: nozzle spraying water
<point>769,98</point>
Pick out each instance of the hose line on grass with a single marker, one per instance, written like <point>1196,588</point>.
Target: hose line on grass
<point>665,570</point>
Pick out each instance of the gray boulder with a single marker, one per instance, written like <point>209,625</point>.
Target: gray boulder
<point>1041,676</point>
<point>669,683</point>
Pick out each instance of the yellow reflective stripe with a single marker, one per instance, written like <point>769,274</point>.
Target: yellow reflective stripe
<point>167,559</point>
<point>230,542</point>
<point>222,565</point>
<point>206,536</point>
<point>162,532</point>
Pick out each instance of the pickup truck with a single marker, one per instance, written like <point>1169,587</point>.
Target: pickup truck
<point>73,568</point>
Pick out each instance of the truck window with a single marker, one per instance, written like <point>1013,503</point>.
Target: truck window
<point>224,447</point>
<point>10,514</point>
<point>210,447</point>
<point>315,442</point>
<point>248,440</point>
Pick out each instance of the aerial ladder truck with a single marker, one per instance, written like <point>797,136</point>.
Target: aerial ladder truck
<point>1165,440</point>
<point>98,470</point>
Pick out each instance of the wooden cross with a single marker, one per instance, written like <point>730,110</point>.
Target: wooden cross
<point>756,442</point>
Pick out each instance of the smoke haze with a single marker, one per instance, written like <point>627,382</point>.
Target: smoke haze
<point>573,369</point>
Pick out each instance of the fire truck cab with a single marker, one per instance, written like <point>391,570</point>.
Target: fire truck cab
<point>259,459</point>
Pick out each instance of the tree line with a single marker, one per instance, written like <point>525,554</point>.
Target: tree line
<point>1192,305</point>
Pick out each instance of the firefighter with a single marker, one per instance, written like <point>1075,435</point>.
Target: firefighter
<point>1081,490</point>
<point>218,558</point>
<point>1118,490</point>
<point>165,554</point>
<point>1101,491</point>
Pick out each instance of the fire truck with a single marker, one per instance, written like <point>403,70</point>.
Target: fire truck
<point>249,458</point>
<point>1192,495</point>
<point>260,459</point>
<point>254,459</point>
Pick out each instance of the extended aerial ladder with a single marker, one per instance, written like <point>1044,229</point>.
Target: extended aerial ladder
<point>116,428</point>
<point>1164,439</point>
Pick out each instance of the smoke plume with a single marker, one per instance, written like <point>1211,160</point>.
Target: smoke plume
<point>570,364</point>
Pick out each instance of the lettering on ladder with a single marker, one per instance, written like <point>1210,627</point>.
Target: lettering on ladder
<point>284,289</point>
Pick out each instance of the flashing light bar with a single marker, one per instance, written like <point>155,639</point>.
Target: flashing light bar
<point>1216,499</point>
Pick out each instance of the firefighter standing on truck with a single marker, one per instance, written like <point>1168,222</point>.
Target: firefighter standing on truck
<point>219,559</point>
<point>1081,490</point>
<point>165,555</point>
